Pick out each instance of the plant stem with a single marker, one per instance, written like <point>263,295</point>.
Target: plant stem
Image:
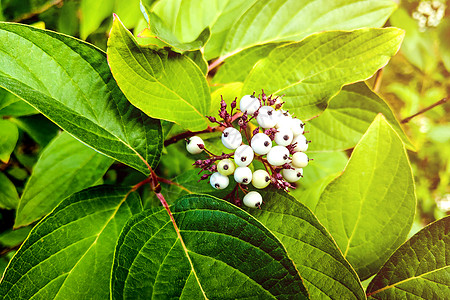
<point>442,101</point>
<point>378,78</point>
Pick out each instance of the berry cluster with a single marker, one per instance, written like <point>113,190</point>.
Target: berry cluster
<point>278,143</point>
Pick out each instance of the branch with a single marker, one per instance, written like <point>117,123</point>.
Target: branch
<point>442,101</point>
<point>377,83</point>
<point>187,134</point>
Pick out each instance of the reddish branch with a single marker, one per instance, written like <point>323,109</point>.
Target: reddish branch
<point>442,101</point>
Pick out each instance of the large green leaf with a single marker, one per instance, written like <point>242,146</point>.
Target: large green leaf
<point>163,84</point>
<point>226,254</point>
<point>8,193</point>
<point>8,139</point>
<point>324,270</point>
<point>419,269</point>
<point>370,208</point>
<point>65,166</point>
<point>282,20</point>
<point>69,81</point>
<point>312,71</point>
<point>347,117</point>
<point>69,254</point>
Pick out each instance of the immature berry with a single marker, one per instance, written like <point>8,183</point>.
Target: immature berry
<point>231,138</point>
<point>219,181</point>
<point>299,160</point>
<point>260,179</point>
<point>284,136</point>
<point>249,104</point>
<point>243,156</point>
<point>243,175</point>
<point>253,199</point>
<point>302,143</point>
<point>278,156</point>
<point>261,143</point>
<point>192,145</point>
<point>267,117</point>
<point>226,167</point>
<point>297,127</point>
<point>292,175</point>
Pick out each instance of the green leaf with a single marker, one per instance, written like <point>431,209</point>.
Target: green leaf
<point>419,269</point>
<point>325,272</point>
<point>38,127</point>
<point>198,58</point>
<point>164,85</point>
<point>8,193</point>
<point>69,254</point>
<point>230,255</point>
<point>92,13</point>
<point>282,20</point>
<point>65,166</point>
<point>12,238</point>
<point>347,117</point>
<point>312,71</point>
<point>369,209</point>
<point>69,82</point>
<point>129,11</point>
<point>13,106</point>
<point>8,139</point>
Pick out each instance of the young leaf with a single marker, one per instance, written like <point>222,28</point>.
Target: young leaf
<point>369,209</point>
<point>325,272</point>
<point>162,84</point>
<point>277,20</point>
<point>69,254</point>
<point>312,71</point>
<point>69,82</point>
<point>8,193</point>
<point>230,255</point>
<point>347,117</point>
<point>8,139</point>
<point>65,166</point>
<point>419,268</point>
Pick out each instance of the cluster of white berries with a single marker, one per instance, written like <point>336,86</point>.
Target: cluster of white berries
<point>279,147</point>
<point>429,14</point>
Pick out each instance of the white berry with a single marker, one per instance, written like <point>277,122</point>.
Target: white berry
<point>302,143</point>
<point>253,199</point>
<point>243,175</point>
<point>219,181</point>
<point>284,136</point>
<point>299,160</point>
<point>267,117</point>
<point>243,155</point>
<point>284,120</point>
<point>249,104</point>
<point>231,138</point>
<point>260,179</point>
<point>278,156</point>
<point>226,167</point>
<point>261,143</point>
<point>292,175</point>
<point>192,145</point>
<point>297,127</point>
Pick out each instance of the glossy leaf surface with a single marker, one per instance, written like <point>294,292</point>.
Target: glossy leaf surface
<point>65,166</point>
<point>369,209</point>
<point>69,254</point>
<point>70,83</point>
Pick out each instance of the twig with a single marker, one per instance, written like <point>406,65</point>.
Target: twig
<point>188,134</point>
<point>442,101</point>
<point>378,78</point>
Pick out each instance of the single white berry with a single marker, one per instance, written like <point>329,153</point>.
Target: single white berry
<point>261,143</point>
<point>253,199</point>
<point>302,143</point>
<point>260,179</point>
<point>299,160</point>
<point>249,104</point>
<point>284,136</point>
<point>231,138</point>
<point>219,181</point>
<point>278,156</point>
<point>284,120</point>
<point>192,145</point>
<point>243,175</point>
<point>297,127</point>
<point>292,175</point>
<point>243,156</point>
<point>267,117</point>
<point>226,167</point>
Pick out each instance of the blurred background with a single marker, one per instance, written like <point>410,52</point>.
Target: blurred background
<point>416,78</point>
